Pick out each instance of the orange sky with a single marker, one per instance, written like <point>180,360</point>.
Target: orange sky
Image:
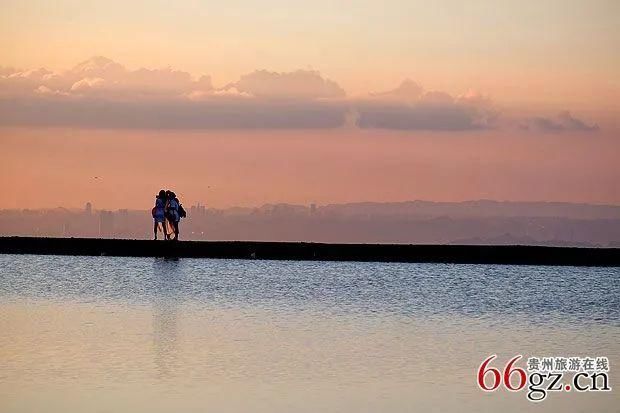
<point>53,167</point>
<point>247,102</point>
<point>557,51</point>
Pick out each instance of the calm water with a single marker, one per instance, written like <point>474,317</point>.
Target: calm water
<point>131,334</point>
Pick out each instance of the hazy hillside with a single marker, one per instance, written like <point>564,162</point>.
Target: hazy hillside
<point>473,222</point>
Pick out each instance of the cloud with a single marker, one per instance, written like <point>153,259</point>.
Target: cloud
<point>104,78</point>
<point>101,93</point>
<point>564,121</point>
<point>232,92</point>
<point>99,66</point>
<point>45,91</point>
<point>88,84</point>
<point>409,107</point>
<point>304,84</point>
<point>407,90</point>
<point>215,113</point>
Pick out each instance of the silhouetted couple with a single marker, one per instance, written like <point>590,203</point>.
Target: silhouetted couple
<point>167,213</point>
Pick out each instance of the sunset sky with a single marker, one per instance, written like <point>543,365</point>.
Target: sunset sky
<point>249,102</point>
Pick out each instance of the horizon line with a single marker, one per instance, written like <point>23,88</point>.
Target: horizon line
<point>317,205</point>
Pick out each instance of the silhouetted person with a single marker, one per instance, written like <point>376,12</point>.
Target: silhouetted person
<point>172,212</point>
<point>159,214</point>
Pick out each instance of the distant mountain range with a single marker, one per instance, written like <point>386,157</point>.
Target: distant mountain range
<point>478,208</point>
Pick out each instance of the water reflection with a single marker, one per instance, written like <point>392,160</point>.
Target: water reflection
<point>129,334</point>
<point>165,303</point>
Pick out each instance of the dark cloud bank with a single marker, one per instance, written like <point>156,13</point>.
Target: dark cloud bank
<point>563,122</point>
<point>100,93</point>
<point>218,114</point>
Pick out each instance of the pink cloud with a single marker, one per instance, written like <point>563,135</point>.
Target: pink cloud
<point>102,93</point>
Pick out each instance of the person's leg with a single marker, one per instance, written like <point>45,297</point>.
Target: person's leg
<point>155,228</point>
<point>170,230</point>
<point>176,230</point>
